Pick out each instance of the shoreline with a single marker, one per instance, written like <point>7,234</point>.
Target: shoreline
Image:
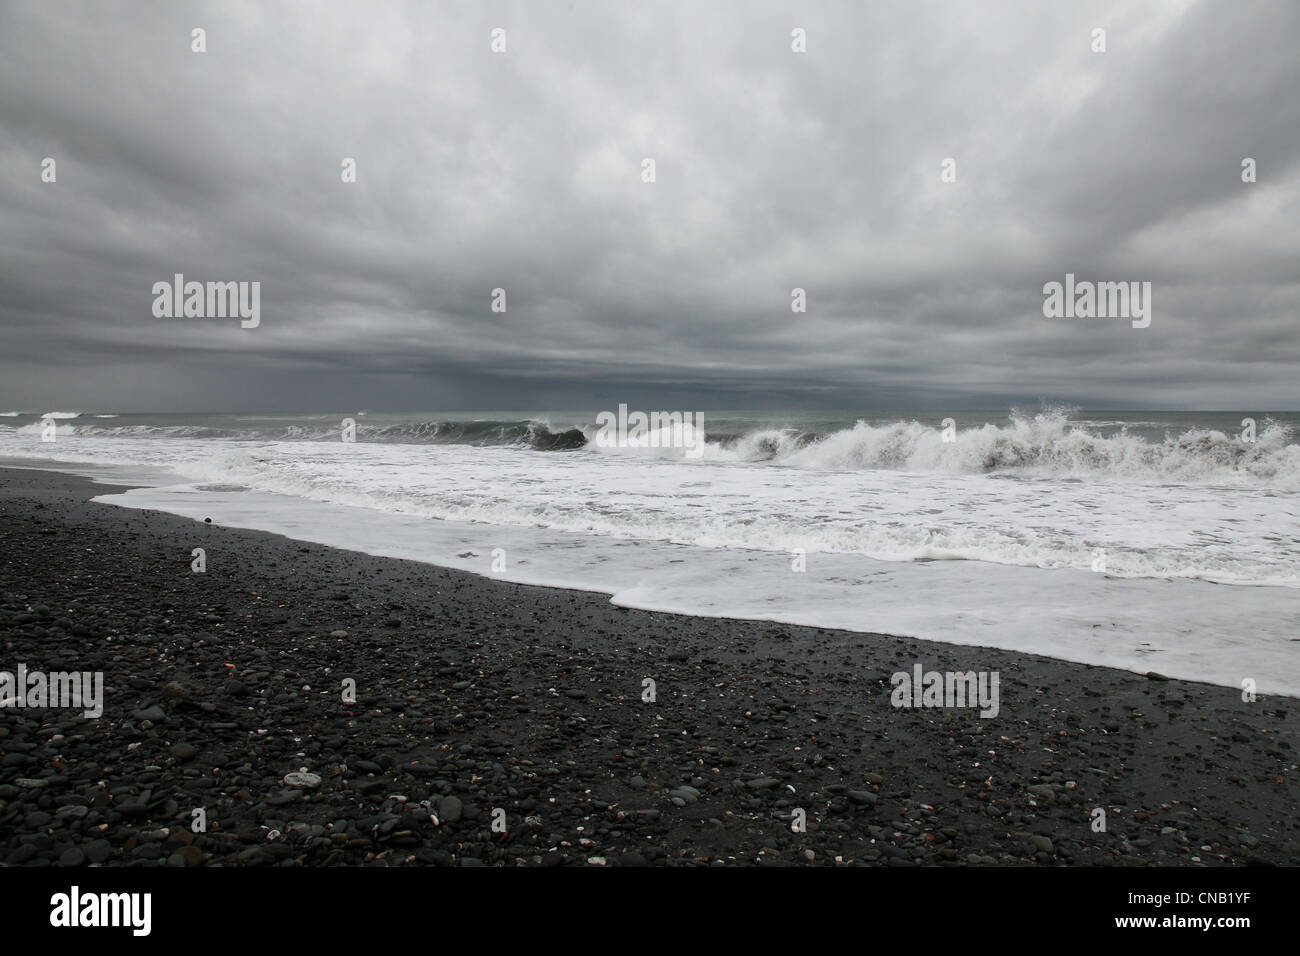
<point>1184,628</point>
<point>476,695</point>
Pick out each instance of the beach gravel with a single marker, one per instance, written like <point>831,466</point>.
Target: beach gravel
<point>445,719</point>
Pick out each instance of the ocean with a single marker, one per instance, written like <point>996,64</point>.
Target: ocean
<point>1143,540</point>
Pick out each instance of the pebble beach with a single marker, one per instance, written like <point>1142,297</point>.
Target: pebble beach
<point>318,707</point>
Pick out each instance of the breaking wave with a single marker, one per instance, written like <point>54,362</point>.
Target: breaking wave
<point>1046,444</point>
<point>1043,445</point>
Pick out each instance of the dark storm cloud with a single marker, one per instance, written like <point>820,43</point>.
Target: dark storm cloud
<point>522,171</point>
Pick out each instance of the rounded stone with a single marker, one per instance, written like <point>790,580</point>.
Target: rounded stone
<point>192,855</point>
<point>450,809</point>
<point>302,780</point>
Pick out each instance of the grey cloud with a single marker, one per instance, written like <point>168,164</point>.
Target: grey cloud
<point>521,171</point>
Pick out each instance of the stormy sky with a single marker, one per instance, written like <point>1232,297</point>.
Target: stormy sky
<point>522,170</point>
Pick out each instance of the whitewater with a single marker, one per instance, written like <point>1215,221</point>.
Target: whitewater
<point>1150,542</point>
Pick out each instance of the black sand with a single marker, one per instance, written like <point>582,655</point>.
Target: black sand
<point>473,695</point>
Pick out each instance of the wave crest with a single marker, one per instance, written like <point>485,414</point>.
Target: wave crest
<point>1044,445</point>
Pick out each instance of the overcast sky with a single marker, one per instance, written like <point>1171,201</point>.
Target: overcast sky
<point>523,170</point>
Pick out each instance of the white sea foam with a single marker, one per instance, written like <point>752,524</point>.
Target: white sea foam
<point>1048,444</point>
<point>1243,532</point>
<point>1186,629</point>
<point>990,539</point>
<point>677,440</point>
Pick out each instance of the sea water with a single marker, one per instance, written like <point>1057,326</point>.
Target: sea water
<point>1146,541</point>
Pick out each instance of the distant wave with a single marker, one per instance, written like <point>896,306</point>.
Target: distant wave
<point>528,433</point>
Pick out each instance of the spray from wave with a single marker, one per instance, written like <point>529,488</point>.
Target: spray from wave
<point>1046,444</point>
